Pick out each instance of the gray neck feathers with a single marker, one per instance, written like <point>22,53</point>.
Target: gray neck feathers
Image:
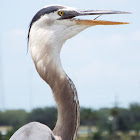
<point>49,67</point>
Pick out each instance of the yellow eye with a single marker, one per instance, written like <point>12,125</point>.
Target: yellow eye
<point>61,13</point>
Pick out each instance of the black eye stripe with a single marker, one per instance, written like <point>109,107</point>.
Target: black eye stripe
<point>42,12</point>
<point>46,11</point>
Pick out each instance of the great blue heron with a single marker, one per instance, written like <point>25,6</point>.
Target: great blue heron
<point>48,31</point>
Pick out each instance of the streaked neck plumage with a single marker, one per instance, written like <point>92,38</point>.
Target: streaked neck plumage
<point>46,55</point>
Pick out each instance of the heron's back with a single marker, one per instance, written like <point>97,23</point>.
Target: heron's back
<point>33,131</point>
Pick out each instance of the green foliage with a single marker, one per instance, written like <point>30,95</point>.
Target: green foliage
<point>126,119</point>
<point>84,138</point>
<point>97,136</point>
<point>13,117</point>
<point>113,137</point>
<point>88,116</point>
<point>114,112</point>
<point>0,136</point>
<point>46,116</point>
<point>123,125</point>
<point>137,127</point>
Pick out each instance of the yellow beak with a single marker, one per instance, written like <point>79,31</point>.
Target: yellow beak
<point>98,22</point>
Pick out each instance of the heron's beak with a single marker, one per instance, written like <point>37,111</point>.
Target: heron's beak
<point>98,22</point>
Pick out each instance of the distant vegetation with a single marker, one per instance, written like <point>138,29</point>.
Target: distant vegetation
<point>111,120</point>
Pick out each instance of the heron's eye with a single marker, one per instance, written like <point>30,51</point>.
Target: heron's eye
<point>61,13</point>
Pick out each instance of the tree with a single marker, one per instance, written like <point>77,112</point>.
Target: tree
<point>88,116</point>
<point>46,116</point>
<point>13,118</point>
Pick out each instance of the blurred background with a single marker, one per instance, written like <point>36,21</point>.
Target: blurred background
<point>103,62</point>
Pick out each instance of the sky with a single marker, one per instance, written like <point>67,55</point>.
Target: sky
<point>102,61</point>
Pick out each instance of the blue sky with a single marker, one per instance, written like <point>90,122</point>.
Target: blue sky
<point>103,61</point>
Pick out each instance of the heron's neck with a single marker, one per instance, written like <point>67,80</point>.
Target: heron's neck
<point>49,67</point>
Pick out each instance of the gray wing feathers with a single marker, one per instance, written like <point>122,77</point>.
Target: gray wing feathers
<point>33,131</point>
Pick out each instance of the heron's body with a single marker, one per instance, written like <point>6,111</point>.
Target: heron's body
<point>49,30</point>
<point>34,131</point>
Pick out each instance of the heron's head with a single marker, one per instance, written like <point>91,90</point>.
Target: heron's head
<point>56,24</point>
<point>52,26</point>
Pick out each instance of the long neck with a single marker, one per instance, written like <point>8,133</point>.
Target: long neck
<point>49,67</point>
